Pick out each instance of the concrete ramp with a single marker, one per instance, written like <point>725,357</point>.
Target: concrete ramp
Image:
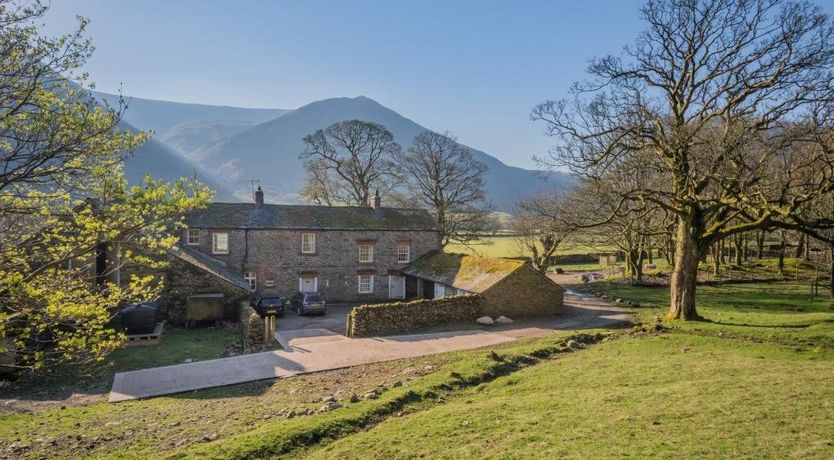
<point>305,355</point>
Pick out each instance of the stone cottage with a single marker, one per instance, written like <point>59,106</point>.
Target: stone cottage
<point>349,254</point>
<point>508,287</point>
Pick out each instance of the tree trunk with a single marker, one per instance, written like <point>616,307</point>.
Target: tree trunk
<point>739,249</point>
<point>638,266</point>
<point>746,247</point>
<point>685,274</point>
<point>716,260</point>
<point>760,239</point>
<point>831,247</point>
<point>800,247</point>
<point>780,267</point>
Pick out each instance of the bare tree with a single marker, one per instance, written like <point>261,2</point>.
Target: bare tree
<point>540,228</point>
<point>728,103</point>
<point>445,178</point>
<point>348,161</point>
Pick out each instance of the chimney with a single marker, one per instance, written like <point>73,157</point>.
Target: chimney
<point>377,201</point>
<point>259,197</point>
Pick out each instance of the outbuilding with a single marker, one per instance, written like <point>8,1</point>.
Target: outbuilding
<point>509,287</point>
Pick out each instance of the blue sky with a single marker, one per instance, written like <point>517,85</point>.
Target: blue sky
<point>474,68</point>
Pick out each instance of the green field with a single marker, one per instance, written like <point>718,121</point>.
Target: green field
<point>507,246</point>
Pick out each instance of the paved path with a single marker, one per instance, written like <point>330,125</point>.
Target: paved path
<point>313,350</point>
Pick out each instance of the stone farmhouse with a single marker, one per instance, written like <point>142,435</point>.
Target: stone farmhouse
<point>349,254</point>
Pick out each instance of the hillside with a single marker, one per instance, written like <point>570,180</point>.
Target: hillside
<point>158,160</point>
<point>269,152</point>
<point>162,116</point>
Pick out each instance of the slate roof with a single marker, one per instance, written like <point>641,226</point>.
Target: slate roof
<point>284,216</point>
<point>470,273</point>
<point>211,266</point>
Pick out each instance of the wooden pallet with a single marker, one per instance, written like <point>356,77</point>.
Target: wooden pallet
<point>147,339</point>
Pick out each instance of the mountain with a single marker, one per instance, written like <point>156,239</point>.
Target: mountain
<point>180,128</point>
<point>157,159</point>
<point>162,116</point>
<point>269,152</point>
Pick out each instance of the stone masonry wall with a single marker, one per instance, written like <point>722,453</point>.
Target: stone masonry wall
<point>403,317</point>
<point>276,255</point>
<point>184,279</point>
<point>524,294</point>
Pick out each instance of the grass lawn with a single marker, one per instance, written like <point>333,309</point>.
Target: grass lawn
<point>177,345</point>
<point>507,246</point>
<point>780,312</point>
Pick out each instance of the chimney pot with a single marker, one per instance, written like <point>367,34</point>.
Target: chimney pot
<point>376,203</point>
<point>259,196</point>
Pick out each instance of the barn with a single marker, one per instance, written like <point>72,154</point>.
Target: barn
<point>509,287</point>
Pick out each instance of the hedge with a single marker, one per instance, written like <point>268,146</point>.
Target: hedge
<point>251,326</point>
<point>401,317</point>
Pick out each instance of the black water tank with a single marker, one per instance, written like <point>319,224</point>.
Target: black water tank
<point>139,319</point>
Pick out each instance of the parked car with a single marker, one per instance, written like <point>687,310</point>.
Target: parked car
<point>308,302</point>
<point>269,301</point>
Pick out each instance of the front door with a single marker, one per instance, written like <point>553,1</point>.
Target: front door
<point>396,287</point>
<point>308,283</point>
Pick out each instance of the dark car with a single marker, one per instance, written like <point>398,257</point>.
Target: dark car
<point>268,301</point>
<point>308,302</point>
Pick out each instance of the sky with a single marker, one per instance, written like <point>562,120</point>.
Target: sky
<point>473,68</point>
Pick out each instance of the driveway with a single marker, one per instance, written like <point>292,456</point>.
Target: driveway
<point>314,349</point>
<point>334,320</point>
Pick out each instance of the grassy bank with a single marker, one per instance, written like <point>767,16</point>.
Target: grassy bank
<point>661,395</point>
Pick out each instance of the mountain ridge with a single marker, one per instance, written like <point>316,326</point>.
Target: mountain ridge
<point>235,152</point>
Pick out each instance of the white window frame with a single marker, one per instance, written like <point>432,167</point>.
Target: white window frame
<point>370,252</point>
<point>391,293</point>
<point>192,237</point>
<point>301,283</point>
<point>311,242</point>
<point>369,285</point>
<point>252,278</point>
<point>214,247</point>
<point>406,253</point>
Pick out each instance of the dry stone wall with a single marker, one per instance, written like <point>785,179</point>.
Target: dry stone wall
<point>403,317</point>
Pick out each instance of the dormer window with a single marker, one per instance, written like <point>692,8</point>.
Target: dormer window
<point>192,237</point>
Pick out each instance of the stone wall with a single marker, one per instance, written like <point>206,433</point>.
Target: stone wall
<point>250,325</point>
<point>525,293</point>
<point>403,317</point>
<point>276,255</point>
<point>184,279</point>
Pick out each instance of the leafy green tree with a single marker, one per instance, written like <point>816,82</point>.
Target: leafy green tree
<point>63,198</point>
